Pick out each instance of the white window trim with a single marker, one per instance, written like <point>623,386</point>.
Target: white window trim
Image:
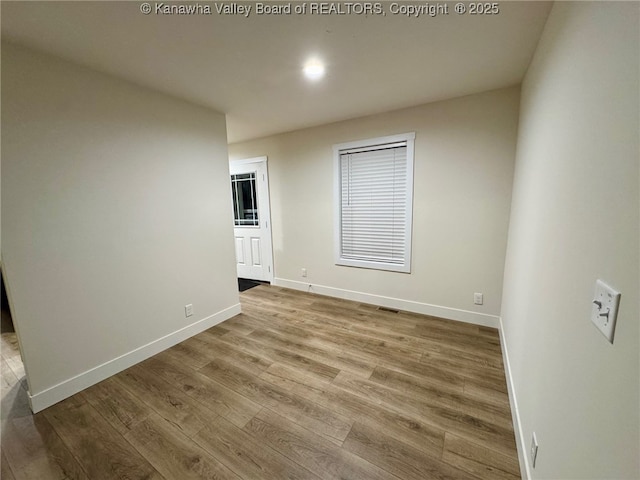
<point>409,138</point>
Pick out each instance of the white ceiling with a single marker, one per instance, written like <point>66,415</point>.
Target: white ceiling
<point>250,68</point>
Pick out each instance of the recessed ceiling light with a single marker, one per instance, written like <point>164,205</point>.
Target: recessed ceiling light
<point>313,69</point>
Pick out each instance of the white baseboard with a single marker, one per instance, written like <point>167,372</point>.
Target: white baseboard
<point>59,392</point>
<point>397,303</point>
<point>436,311</point>
<point>521,445</point>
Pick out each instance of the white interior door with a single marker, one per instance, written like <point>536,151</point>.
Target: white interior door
<point>252,219</point>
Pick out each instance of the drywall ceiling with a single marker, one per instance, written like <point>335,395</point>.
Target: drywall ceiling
<point>250,67</point>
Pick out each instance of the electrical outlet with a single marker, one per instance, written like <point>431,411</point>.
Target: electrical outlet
<point>478,298</point>
<point>188,310</point>
<point>303,272</point>
<point>534,450</point>
<point>604,309</point>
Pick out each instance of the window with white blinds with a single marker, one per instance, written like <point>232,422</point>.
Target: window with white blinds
<point>374,189</point>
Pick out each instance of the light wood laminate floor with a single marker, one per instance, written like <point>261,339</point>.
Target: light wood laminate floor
<point>298,386</point>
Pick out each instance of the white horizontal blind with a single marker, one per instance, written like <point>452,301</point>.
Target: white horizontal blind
<point>374,198</point>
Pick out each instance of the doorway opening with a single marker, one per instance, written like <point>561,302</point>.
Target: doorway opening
<point>7,320</point>
<point>252,221</point>
<point>13,394</point>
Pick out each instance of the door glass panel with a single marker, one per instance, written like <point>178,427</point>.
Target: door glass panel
<point>245,203</point>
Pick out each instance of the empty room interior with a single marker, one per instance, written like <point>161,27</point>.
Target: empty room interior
<point>436,206</point>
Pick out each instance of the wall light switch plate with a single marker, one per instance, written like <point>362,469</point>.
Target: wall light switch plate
<point>604,309</point>
<point>533,453</point>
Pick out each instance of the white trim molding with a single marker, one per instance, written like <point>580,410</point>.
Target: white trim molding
<point>449,313</point>
<point>379,170</point>
<point>521,445</point>
<point>264,204</point>
<point>244,161</point>
<point>59,392</point>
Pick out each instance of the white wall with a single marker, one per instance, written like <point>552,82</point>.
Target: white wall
<point>116,213</point>
<point>574,219</point>
<point>464,154</point>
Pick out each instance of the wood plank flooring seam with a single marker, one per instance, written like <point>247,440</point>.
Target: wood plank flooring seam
<point>298,386</point>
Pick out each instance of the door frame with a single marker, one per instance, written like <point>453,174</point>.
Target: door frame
<point>264,204</point>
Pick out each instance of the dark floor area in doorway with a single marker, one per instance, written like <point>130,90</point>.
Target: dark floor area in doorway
<point>7,321</point>
<point>246,284</point>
